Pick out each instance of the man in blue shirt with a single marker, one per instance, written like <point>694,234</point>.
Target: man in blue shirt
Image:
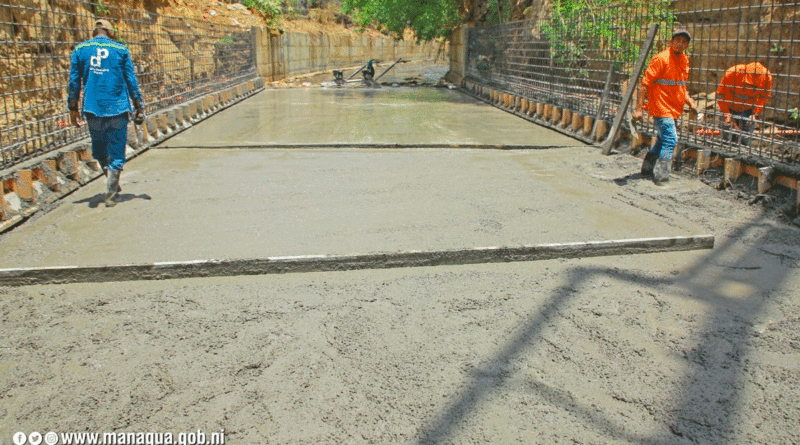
<point>103,68</point>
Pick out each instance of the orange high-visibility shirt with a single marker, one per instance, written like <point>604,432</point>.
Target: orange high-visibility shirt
<point>665,80</point>
<point>744,87</point>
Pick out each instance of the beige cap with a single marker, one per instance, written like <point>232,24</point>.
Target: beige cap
<point>104,24</point>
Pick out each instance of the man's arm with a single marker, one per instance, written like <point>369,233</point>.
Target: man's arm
<point>131,83</point>
<point>725,97</point>
<point>641,94</point>
<point>650,75</point>
<point>689,101</point>
<point>74,89</point>
<point>762,95</point>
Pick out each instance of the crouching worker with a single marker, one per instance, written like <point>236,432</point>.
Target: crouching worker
<point>102,67</point>
<point>741,96</point>
<point>664,88</point>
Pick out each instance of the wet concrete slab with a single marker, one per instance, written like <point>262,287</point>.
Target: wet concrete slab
<point>182,205</point>
<point>403,115</point>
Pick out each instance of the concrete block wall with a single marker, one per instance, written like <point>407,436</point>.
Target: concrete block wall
<point>33,185</point>
<point>292,54</point>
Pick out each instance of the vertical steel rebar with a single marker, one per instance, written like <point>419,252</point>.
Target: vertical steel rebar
<point>37,51</point>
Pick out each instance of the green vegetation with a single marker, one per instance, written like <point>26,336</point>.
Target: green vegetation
<point>102,9</point>
<point>269,8</point>
<point>777,49</point>
<point>430,20</point>
<point>616,28</point>
<point>499,11</point>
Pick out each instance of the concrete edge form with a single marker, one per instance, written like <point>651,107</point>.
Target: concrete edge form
<point>337,263</point>
<point>336,146</point>
<point>36,185</point>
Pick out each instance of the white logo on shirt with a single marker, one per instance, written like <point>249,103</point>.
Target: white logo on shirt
<point>95,61</point>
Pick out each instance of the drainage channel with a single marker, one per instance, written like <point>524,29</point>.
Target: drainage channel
<point>331,263</point>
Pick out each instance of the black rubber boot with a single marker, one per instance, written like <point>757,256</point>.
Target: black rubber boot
<point>648,164</point>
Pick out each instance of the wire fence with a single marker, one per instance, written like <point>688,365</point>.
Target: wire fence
<point>564,59</point>
<point>176,59</point>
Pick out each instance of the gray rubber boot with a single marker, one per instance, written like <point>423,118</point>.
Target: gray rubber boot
<point>648,164</point>
<point>661,170</point>
<point>105,172</point>
<point>112,189</point>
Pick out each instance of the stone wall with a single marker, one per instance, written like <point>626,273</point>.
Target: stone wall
<point>173,56</point>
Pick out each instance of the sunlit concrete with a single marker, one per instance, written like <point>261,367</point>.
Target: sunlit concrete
<point>364,116</point>
<point>183,204</point>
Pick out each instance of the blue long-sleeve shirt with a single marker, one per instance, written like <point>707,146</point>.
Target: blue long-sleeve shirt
<point>104,68</point>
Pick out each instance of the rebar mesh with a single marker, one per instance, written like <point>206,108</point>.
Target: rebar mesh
<point>175,59</point>
<point>564,58</point>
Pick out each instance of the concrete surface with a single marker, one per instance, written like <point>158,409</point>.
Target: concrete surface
<point>668,348</point>
<point>364,116</point>
<point>190,204</point>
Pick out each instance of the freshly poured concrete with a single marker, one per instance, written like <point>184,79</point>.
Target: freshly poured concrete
<point>182,205</point>
<point>365,116</point>
<point>668,348</point>
<point>189,204</point>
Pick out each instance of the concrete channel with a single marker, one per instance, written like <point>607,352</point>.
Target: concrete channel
<point>654,344</point>
<point>300,172</point>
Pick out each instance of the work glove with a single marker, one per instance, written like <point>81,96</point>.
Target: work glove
<point>138,116</point>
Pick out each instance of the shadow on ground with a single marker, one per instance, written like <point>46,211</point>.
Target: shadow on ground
<point>706,405</point>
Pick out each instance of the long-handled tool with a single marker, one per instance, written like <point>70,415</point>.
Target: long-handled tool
<point>390,67</point>
<point>357,71</point>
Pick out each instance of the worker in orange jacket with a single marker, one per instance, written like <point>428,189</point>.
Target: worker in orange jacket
<point>664,87</point>
<point>741,96</point>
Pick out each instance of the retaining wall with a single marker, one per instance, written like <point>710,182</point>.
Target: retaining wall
<point>292,54</point>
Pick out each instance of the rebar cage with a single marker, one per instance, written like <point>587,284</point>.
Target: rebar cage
<point>564,57</point>
<point>176,59</point>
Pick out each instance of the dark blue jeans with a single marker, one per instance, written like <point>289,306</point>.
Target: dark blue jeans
<point>109,137</point>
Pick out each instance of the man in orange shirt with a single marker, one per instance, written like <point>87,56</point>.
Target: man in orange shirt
<point>743,92</point>
<point>664,87</point>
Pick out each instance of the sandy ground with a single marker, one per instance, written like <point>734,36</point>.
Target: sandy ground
<point>688,347</point>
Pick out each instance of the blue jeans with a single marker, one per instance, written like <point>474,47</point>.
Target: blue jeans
<point>667,138</point>
<point>746,125</point>
<point>109,137</point>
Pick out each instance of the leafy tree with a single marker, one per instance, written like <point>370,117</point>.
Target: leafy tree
<point>430,20</point>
